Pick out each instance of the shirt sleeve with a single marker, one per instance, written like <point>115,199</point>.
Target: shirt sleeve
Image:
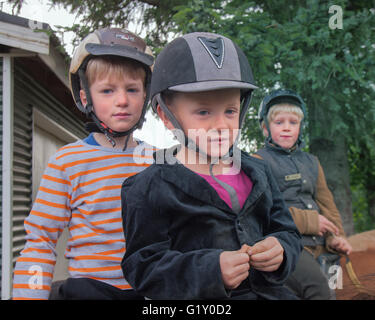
<point>151,265</point>
<point>49,216</point>
<point>307,221</point>
<point>326,204</point>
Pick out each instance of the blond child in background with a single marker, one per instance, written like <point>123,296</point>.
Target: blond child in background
<point>301,180</point>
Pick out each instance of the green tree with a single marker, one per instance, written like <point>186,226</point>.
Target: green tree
<point>153,16</point>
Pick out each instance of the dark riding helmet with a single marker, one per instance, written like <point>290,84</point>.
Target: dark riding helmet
<point>198,62</point>
<point>276,97</point>
<point>201,61</point>
<point>107,42</point>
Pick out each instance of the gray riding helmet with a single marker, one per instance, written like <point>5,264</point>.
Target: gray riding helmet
<point>198,62</point>
<point>201,61</point>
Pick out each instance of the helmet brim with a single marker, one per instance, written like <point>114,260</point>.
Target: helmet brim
<point>212,85</point>
<point>119,50</point>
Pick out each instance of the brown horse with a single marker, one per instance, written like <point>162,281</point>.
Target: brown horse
<point>360,284</point>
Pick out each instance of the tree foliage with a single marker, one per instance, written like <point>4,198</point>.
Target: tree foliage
<point>151,16</point>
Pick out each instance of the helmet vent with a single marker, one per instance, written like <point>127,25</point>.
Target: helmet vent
<point>124,37</point>
<point>215,48</point>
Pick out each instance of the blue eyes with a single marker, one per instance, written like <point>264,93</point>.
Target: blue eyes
<point>131,90</point>
<point>202,113</point>
<point>205,112</point>
<point>281,122</point>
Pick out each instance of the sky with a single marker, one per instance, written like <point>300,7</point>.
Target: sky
<point>153,131</point>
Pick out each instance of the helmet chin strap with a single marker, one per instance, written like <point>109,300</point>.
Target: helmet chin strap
<point>99,126</point>
<point>180,135</point>
<point>187,142</point>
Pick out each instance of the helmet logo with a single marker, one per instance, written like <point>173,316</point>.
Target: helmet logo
<point>124,37</point>
<point>215,48</point>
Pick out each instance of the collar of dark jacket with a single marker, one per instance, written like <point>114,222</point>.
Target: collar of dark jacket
<point>197,187</point>
<point>294,149</point>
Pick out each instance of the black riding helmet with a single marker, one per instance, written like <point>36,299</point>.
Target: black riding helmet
<point>197,62</point>
<point>107,42</point>
<point>276,97</point>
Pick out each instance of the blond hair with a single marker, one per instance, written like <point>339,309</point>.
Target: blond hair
<point>119,67</point>
<point>284,107</point>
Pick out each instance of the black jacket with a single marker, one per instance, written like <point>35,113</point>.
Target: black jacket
<point>176,226</point>
<point>296,174</point>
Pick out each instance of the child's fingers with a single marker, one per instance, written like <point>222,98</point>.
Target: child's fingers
<point>264,246</point>
<point>237,270</point>
<point>241,258</point>
<point>245,249</point>
<point>234,267</point>
<point>266,255</point>
<point>341,245</point>
<point>234,282</point>
<point>268,268</point>
<point>259,247</point>
<point>241,277</point>
<point>327,226</point>
<point>265,261</point>
<point>330,227</point>
<point>234,258</point>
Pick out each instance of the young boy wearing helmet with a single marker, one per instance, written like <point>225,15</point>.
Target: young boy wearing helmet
<point>215,229</point>
<point>301,180</point>
<point>110,75</point>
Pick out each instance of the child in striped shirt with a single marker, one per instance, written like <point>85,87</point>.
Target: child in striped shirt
<point>80,190</point>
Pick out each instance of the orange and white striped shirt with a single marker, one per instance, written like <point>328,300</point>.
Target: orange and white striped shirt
<point>80,190</point>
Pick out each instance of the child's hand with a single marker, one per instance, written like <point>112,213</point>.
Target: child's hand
<point>326,226</point>
<point>234,267</point>
<point>267,255</point>
<point>340,244</point>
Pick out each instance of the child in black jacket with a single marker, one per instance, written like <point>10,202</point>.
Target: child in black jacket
<point>206,221</point>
